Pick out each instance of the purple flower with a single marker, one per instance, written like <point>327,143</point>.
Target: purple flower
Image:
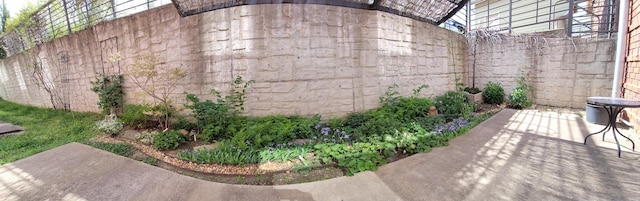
<point>325,131</point>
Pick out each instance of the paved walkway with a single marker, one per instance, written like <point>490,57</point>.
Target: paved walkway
<point>9,129</point>
<point>515,155</point>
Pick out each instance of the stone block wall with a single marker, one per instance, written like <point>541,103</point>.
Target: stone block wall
<point>563,72</point>
<point>305,59</point>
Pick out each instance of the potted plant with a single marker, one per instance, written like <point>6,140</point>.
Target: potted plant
<point>474,95</point>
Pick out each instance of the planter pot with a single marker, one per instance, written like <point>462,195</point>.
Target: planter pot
<point>597,114</point>
<point>474,98</point>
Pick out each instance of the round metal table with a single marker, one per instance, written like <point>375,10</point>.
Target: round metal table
<point>613,107</point>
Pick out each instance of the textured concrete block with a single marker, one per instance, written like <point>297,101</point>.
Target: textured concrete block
<point>596,68</point>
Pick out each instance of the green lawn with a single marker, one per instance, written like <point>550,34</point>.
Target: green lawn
<point>44,129</point>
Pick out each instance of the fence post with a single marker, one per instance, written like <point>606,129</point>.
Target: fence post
<point>113,8</point>
<point>570,19</point>
<point>66,15</point>
<point>468,28</point>
<point>510,14</point>
<point>86,7</point>
<point>53,28</point>
<point>488,9</point>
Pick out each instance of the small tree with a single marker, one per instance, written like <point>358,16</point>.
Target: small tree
<point>157,81</point>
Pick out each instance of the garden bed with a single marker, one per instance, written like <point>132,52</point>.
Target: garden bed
<point>280,149</point>
<point>276,173</point>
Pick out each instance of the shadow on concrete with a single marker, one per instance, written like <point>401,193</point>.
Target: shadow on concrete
<point>518,155</point>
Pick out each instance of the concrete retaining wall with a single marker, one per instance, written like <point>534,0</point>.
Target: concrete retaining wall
<point>305,59</point>
<point>563,72</point>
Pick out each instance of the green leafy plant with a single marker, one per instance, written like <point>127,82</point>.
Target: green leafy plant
<point>216,119</point>
<point>134,116</point>
<point>22,22</point>
<point>284,154</point>
<point>519,98</point>
<point>407,109</point>
<point>109,90</point>
<point>391,95</point>
<point>224,153</point>
<point>357,157</point>
<point>454,103</point>
<point>146,137</point>
<point>109,126</point>
<point>223,130</point>
<point>417,91</point>
<point>168,140</point>
<point>122,149</point>
<point>303,127</point>
<point>493,93</point>
<point>264,131</point>
<point>149,160</point>
<point>183,123</point>
<point>238,94</point>
<point>472,90</point>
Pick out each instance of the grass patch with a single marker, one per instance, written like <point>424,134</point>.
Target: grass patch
<point>122,149</point>
<point>44,129</point>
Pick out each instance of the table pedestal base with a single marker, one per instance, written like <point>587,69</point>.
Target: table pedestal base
<point>613,116</point>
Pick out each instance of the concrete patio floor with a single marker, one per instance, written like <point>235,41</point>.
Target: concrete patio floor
<point>515,155</point>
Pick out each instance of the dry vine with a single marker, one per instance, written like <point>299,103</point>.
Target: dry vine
<point>43,79</point>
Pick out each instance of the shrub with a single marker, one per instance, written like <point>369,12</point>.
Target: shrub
<point>134,116</point>
<point>408,109</point>
<point>264,131</point>
<point>109,90</point>
<point>223,130</point>
<point>373,122</point>
<point>208,112</point>
<point>217,119</point>
<point>454,103</point>
<point>109,126</point>
<point>167,140</point>
<point>183,123</point>
<point>355,119</point>
<point>303,127</point>
<point>493,93</point>
<point>518,99</point>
